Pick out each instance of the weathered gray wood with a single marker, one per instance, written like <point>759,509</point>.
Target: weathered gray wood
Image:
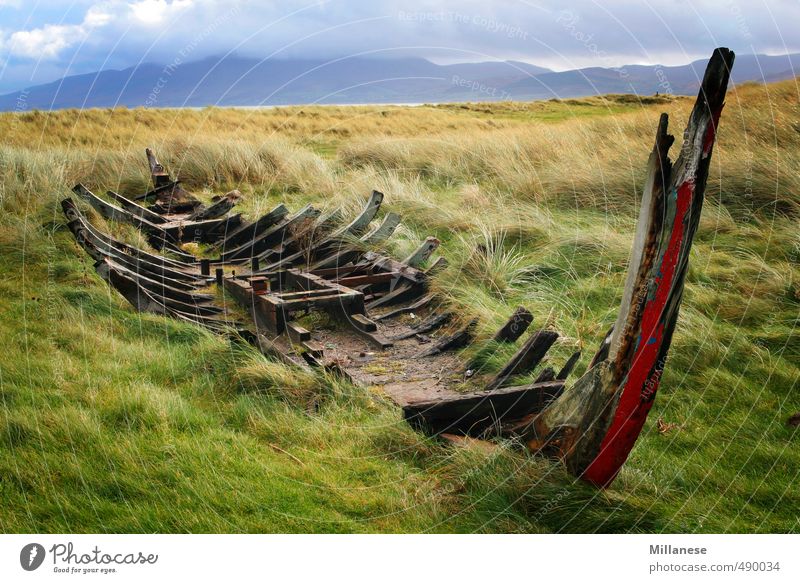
<point>157,172</point>
<point>201,231</point>
<point>423,252</point>
<point>383,231</point>
<point>270,237</point>
<point>171,197</point>
<point>364,218</point>
<point>72,212</point>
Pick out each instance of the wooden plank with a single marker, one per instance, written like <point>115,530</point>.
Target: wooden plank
<point>359,280</point>
<point>363,323</point>
<point>383,231</point>
<point>417,305</point>
<point>115,213</point>
<point>568,366</point>
<point>364,218</point>
<point>136,209</point>
<point>219,208</point>
<point>99,250</point>
<point>422,253</point>
<point>73,213</point>
<point>272,236</point>
<point>515,326</point>
<point>430,324</point>
<point>248,231</point>
<point>314,348</point>
<point>202,231</point>
<point>475,413</point>
<point>297,333</point>
<point>350,252</point>
<point>526,358</point>
<point>454,341</point>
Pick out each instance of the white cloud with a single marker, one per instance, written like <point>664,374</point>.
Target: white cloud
<point>50,40</point>
<point>46,42</point>
<point>152,12</point>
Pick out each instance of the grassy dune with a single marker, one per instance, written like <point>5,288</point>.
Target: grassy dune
<point>114,421</point>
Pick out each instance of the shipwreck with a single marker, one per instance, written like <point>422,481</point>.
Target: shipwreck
<point>286,265</point>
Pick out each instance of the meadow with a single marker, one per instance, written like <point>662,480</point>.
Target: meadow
<point>114,421</point>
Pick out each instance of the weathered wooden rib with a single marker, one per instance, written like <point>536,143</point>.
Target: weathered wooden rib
<point>147,301</point>
<point>136,209</point>
<point>477,413</point>
<point>423,252</point>
<point>594,425</point>
<point>383,231</point>
<point>406,288</point>
<point>270,237</point>
<point>322,248</point>
<point>568,366</point>
<point>249,231</point>
<point>302,245</point>
<point>527,357</point>
<point>350,252</point>
<point>201,231</point>
<point>99,244</point>
<point>218,209</point>
<point>358,225</point>
<point>115,213</point>
<point>72,212</point>
<point>142,261</point>
<point>462,337</point>
<point>167,289</point>
<point>98,250</point>
<point>515,326</point>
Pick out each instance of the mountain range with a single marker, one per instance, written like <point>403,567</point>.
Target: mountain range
<point>237,81</point>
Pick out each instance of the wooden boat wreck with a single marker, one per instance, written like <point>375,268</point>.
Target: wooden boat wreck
<point>284,267</point>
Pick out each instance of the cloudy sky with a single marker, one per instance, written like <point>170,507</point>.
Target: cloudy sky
<point>43,40</point>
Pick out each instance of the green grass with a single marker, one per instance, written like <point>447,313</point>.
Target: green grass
<point>113,421</point>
